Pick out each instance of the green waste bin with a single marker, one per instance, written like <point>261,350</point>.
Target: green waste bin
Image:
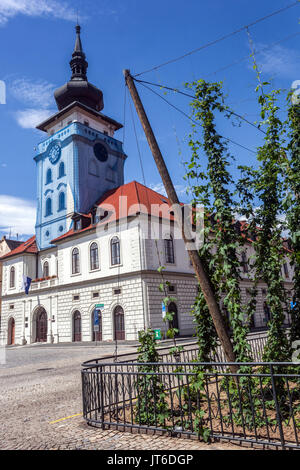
<point>157,333</point>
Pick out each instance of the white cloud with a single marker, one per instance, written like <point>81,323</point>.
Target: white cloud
<point>53,8</point>
<point>159,188</point>
<point>30,118</point>
<point>39,93</point>
<point>17,215</point>
<point>279,60</point>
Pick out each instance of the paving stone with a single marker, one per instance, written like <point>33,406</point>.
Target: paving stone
<point>30,399</point>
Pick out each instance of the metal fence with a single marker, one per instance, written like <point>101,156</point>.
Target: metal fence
<point>260,404</point>
<point>190,352</point>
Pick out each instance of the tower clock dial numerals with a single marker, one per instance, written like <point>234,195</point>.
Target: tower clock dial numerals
<point>54,152</point>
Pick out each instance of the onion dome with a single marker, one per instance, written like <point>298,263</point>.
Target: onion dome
<point>78,88</point>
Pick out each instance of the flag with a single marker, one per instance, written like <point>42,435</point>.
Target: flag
<point>26,284</point>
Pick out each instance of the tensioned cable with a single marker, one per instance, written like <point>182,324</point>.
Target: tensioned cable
<point>195,122</point>
<point>222,38</point>
<point>259,51</point>
<point>194,97</point>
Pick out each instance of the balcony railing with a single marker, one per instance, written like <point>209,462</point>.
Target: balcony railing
<point>44,282</point>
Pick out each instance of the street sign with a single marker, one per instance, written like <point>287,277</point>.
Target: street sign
<point>99,305</point>
<point>96,328</point>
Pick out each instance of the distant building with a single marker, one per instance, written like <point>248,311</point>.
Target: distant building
<point>6,246</point>
<point>92,262</point>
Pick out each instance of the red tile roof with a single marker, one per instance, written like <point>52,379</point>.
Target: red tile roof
<point>26,247</point>
<point>126,201</point>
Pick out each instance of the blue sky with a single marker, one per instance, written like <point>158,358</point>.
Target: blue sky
<point>37,39</point>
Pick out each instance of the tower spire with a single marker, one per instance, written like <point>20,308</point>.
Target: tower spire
<point>78,63</point>
<point>78,89</point>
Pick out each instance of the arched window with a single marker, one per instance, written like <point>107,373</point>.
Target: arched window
<point>75,261</point>
<point>49,176</point>
<point>94,256</point>
<point>61,170</point>
<point>61,201</point>
<point>46,269</point>
<point>169,250</point>
<point>48,206</point>
<point>12,277</point>
<point>115,251</point>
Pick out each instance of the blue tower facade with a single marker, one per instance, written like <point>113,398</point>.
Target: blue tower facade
<point>80,160</point>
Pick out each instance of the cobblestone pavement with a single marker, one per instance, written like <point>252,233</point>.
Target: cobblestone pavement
<point>42,384</point>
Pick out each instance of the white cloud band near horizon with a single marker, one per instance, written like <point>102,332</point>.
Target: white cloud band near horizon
<point>17,216</point>
<point>36,8</point>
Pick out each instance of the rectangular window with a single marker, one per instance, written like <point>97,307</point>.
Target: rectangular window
<point>94,257</point>
<point>115,251</point>
<point>245,263</point>
<point>172,289</point>
<point>117,291</point>
<point>95,295</point>
<point>75,261</point>
<point>76,297</point>
<point>169,251</point>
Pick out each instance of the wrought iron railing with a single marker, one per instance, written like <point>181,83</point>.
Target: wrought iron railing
<point>260,404</point>
<point>190,352</point>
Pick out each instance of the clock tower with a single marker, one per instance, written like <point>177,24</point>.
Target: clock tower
<point>80,159</point>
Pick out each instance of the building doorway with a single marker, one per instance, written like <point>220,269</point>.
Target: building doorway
<point>97,335</point>
<point>11,331</point>
<point>119,323</point>
<point>77,326</point>
<point>41,326</point>
<point>172,308</point>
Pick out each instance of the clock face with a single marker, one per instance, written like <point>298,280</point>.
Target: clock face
<point>100,152</point>
<point>54,152</point>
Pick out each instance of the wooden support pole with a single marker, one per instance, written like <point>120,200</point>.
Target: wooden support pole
<point>202,276</point>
